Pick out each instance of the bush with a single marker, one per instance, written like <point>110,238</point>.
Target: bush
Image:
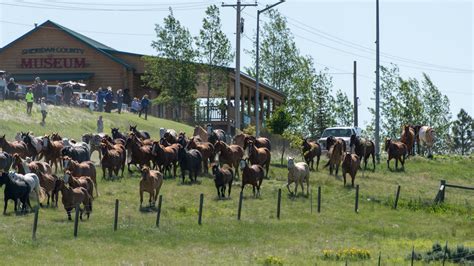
<point>346,254</point>
<point>460,254</point>
<point>273,260</point>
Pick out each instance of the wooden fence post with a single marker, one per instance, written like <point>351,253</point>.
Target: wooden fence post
<point>445,251</point>
<point>201,201</point>
<point>412,255</point>
<point>158,213</point>
<point>35,222</point>
<point>76,220</point>
<point>319,199</point>
<point>380,257</point>
<point>240,205</point>
<point>279,203</point>
<point>116,214</point>
<point>396,197</point>
<point>356,208</point>
<point>443,190</point>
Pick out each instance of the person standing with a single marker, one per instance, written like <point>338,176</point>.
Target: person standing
<point>109,98</point>
<point>119,101</point>
<point>59,94</point>
<point>144,106</point>
<point>3,86</point>
<point>44,110</point>
<point>12,87</point>
<point>44,90</point>
<point>29,101</point>
<point>100,99</point>
<point>100,125</point>
<point>37,89</point>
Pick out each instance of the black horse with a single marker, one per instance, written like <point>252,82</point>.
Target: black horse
<point>15,190</point>
<point>6,161</point>
<point>215,134</point>
<point>189,160</point>
<point>139,133</point>
<point>77,153</point>
<point>116,134</point>
<point>363,148</point>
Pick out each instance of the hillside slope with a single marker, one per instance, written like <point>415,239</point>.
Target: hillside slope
<point>72,122</point>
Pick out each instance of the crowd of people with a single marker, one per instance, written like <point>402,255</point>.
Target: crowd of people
<point>70,94</point>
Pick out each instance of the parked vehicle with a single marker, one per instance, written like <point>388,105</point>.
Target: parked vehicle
<point>344,133</point>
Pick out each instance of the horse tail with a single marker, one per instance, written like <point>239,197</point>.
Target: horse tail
<point>327,164</point>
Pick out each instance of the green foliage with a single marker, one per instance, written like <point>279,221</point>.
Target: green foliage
<point>278,53</point>
<point>250,130</point>
<point>173,72</point>
<point>323,105</point>
<point>459,255</point>
<point>295,140</point>
<point>462,132</point>
<point>214,51</point>
<point>279,121</point>
<point>406,102</point>
<point>273,260</point>
<point>343,109</point>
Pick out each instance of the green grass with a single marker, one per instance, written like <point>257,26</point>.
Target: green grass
<point>298,238</point>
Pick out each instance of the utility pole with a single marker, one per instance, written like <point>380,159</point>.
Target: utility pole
<point>377,87</point>
<point>356,111</point>
<point>257,81</point>
<point>239,7</point>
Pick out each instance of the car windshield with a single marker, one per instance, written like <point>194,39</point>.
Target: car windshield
<point>337,132</point>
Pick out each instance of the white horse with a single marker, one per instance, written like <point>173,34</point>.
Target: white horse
<point>32,180</point>
<point>299,174</point>
<point>426,137</point>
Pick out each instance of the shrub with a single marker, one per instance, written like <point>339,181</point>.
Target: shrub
<point>346,254</point>
<point>460,254</point>
<point>273,260</point>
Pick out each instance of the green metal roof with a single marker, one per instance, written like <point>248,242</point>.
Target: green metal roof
<point>52,76</point>
<point>83,38</point>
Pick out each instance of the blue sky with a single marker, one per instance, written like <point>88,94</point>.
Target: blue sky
<point>414,34</point>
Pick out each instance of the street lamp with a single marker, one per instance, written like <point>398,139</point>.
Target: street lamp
<point>257,83</point>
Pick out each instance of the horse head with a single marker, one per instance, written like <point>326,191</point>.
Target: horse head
<point>145,171</point>
<point>291,163</point>
<point>388,141</point>
<point>354,140</point>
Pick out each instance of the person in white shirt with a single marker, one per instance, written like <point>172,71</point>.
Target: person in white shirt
<point>44,110</point>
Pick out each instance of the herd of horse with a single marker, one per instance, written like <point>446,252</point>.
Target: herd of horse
<point>247,157</point>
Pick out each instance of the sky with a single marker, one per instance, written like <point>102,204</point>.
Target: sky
<point>434,37</point>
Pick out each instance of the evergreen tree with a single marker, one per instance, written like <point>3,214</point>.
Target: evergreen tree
<point>214,51</point>
<point>323,103</point>
<point>343,109</point>
<point>172,72</point>
<point>462,133</point>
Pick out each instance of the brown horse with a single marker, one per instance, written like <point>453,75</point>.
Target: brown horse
<point>113,158</point>
<point>140,154</point>
<point>261,142</point>
<point>210,135</point>
<point>82,169</point>
<point>335,154</point>
<point>52,151</point>
<point>206,149</point>
<point>408,137</point>
<point>363,148</point>
<point>311,149</point>
<point>396,150</point>
<point>140,133</point>
<point>165,157</point>
<point>18,147</point>
<point>229,154</point>
<point>260,156</point>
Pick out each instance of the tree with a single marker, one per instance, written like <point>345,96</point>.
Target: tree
<point>323,104</point>
<point>462,132</point>
<point>343,109</point>
<point>173,72</point>
<point>214,50</point>
<point>278,53</point>
<point>279,121</point>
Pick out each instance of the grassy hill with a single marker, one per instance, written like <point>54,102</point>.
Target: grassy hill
<point>298,238</point>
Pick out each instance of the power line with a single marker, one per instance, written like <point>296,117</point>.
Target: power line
<point>71,8</point>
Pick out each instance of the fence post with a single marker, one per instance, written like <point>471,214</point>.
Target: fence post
<point>76,220</point>
<point>240,205</point>
<point>201,201</point>
<point>35,222</point>
<point>319,199</point>
<point>445,250</point>
<point>412,255</point>
<point>116,214</point>
<point>279,203</point>
<point>158,213</point>
<point>396,197</point>
<point>443,185</point>
<point>356,208</point>
<point>380,256</point>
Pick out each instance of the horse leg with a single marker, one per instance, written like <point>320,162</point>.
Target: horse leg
<point>352,180</point>
<point>267,167</point>
<point>344,177</point>
<point>396,162</point>
<point>218,191</point>
<point>230,187</point>
<point>302,187</point>
<point>151,195</point>
<point>317,163</point>
<point>288,186</point>
<point>103,173</point>
<point>5,206</point>
<point>254,191</point>
<point>128,166</point>
<point>141,197</point>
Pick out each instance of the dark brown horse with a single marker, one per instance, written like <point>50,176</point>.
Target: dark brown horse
<point>206,149</point>
<point>311,149</point>
<point>165,157</point>
<point>336,151</point>
<point>260,142</point>
<point>363,149</point>
<point>140,154</point>
<point>52,152</point>
<point>396,150</point>
<point>140,133</point>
